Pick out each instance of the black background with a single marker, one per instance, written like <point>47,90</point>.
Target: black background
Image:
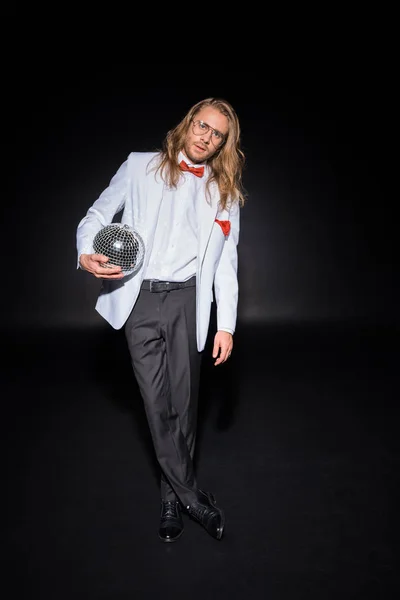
<point>317,233</point>
<point>298,432</point>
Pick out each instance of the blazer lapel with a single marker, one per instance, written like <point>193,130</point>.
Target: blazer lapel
<point>207,213</point>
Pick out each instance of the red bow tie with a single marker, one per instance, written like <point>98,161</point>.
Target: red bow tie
<point>198,171</point>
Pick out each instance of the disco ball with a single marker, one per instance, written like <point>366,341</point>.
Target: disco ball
<point>122,245</point>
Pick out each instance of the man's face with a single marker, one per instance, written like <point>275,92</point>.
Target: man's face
<point>200,144</point>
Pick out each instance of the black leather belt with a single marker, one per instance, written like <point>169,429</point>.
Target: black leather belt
<point>155,285</point>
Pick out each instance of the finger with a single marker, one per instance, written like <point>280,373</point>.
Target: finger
<point>117,276</point>
<point>109,269</point>
<point>108,272</point>
<point>100,257</point>
<point>216,350</point>
<point>223,357</point>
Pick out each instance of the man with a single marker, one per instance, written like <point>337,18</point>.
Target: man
<point>184,201</point>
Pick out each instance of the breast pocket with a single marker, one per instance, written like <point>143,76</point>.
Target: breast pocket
<point>217,240</point>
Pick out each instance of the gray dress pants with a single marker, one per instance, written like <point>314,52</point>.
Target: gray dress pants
<point>161,336</point>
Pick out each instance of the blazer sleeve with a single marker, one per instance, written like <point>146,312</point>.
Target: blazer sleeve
<point>226,281</point>
<point>102,211</point>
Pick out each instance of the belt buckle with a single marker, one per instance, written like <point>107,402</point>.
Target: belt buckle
<point>151,284</point>
<point>162,285</point>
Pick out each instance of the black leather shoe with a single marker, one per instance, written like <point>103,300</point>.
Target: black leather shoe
<point>171,524</point>
<point>206,512</point>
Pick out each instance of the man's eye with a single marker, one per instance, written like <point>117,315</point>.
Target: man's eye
<point>202,125</point>
<point>218,135</point>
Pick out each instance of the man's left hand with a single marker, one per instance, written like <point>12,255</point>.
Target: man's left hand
<point>223,344</point>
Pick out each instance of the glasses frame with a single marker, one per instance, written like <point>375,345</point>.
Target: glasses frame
<point>207,130</point>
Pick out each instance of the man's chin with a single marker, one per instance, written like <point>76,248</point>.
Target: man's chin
<point>198,156</point>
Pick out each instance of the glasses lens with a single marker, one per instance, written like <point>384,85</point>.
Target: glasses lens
<point>201,128</point>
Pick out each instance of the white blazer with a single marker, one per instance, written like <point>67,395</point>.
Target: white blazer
<point>135,189</point>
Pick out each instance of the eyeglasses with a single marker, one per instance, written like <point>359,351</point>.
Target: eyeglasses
<point>201,128</point>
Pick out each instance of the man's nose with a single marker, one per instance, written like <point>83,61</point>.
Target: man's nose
<point>206,137</point>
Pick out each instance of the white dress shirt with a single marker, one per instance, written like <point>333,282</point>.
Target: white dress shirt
<point>174,252</point>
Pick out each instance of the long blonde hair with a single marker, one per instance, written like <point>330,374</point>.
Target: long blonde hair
<point>226,164</point>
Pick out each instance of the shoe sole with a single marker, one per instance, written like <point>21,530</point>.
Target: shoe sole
<point>170,540</point>
<point>213,501</point>
<point>221,529</point>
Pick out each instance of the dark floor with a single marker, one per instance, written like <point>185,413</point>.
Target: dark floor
<point>298,439</point>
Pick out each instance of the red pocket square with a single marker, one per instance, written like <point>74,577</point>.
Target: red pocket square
<point>225,226</point>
